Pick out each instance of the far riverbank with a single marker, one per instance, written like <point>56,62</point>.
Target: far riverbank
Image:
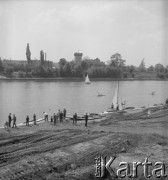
<point>81,79</point>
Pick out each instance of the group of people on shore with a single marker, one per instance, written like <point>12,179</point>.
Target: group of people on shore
<point>59,117</point>
<point>9,122</point>
<point>28,120</point>
<point>75,119</point>
<point>117,107</point>
<point>55,118</point>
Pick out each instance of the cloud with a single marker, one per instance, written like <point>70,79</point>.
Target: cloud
<point>97,28</point>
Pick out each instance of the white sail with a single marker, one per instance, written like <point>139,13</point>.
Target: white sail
<point>116,99</point>
<point>87,81</point>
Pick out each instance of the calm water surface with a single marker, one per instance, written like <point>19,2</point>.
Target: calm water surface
<point>29,97</point>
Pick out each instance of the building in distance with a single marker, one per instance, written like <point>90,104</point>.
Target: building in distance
<point>78,57</point>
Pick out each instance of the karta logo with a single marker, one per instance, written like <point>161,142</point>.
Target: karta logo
<point>102,166</point>
<point>123,170</point>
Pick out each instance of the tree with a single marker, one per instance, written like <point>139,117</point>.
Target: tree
<point>28,53</point>
<point>86,58</point>
<point>166,70</point>
<point>159,68</point>
<point>166,67</point>
<point>84,65</point>
<point>62,62</point>
<point>1,65</point>
<point>67,69</point>
<point>117,61</point>
<point>42,57</point>
<point>150,69</point>
<point>8,71</point>
<point>142,66</point>
<point>78,70</point>
<point>132,69</point>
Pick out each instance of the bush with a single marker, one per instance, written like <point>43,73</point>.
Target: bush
<point>166,101</point>
<point>125,75</point>
<point>133,75</point>
<point>161,75</point>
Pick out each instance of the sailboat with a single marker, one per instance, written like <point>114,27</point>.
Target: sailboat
<point>87,80</point>
<point>116,99</point>
<point>116,103</point>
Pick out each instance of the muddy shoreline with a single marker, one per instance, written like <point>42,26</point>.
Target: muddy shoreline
<point>66,151</point>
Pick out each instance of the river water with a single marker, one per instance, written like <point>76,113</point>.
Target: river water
<point>28,97</point>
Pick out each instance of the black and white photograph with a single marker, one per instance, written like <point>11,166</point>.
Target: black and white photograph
<point>83,89</point>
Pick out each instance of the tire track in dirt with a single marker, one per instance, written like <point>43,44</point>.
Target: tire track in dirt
<point>45,163</point>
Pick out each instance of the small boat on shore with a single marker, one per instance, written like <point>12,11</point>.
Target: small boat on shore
<point>32,121</point>
<point>92,116</point>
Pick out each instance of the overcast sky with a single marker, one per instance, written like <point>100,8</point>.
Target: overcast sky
<point>135,29</point>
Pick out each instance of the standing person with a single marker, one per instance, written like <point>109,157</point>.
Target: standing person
<point>61,117</point>
<point>55,119</point>
<point>14,121</point>
<point>51,118</point>
<point>117,108</point>
<point>112,106</point>
<point>76,117</point>
<point>27,120</point>
<point>58,115</point>
<point>34,119</point>
<point>64,112</point>
<point>9,119</point>
<point>45,116</point>
<point>123,105</point>
<point>86,119</point>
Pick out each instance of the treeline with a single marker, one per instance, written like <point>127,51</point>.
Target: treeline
<point>95,68</point>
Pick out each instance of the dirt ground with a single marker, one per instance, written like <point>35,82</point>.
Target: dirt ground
<point>65,151</point>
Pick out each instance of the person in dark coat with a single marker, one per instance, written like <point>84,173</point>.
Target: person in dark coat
<point>51,119</point>
<point>117,108</point>
<point>34,119</point>
<point>75,118</point>
<point>14,121</point>
<point>45,116</point>
<point>58,115</point>
<point>9,119</point>
<point>27,120</point>
<point>55,119</point>
<point>61,117</point>
<point>64,113</point>
<point>86,119</point>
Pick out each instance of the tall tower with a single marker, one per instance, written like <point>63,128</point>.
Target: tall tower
<point>78,57</point>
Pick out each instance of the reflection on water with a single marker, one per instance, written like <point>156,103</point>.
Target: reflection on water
<point>29,97</point>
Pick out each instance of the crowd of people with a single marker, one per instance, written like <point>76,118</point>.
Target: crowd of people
<point>59,117</point>
<point>9,122</point>
<point>55,118</point>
